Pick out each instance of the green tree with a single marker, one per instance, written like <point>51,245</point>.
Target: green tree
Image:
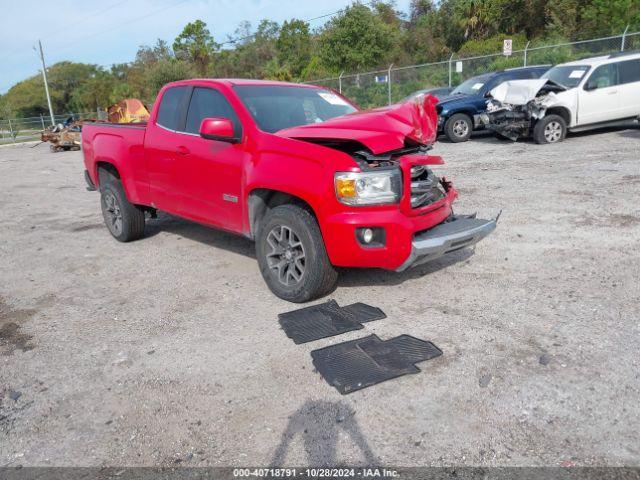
<point>294,46</point>
<point>147,55</point>
<point>94,93</point>
<point>606,17</point>
<point>356,39</point>
<point>165,72</point>
<point>420,8</point>
<point>27,98</point>
<point>424,40</point>
<point>195,45</point>
<point>252,54</point>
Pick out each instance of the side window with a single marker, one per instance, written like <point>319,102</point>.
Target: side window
<point>169,110</point>
<point>206,103</point>
<point>629,71</point>
<point>604,76</point>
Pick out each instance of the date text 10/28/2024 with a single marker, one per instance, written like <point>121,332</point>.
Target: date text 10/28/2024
<point>315,473</point>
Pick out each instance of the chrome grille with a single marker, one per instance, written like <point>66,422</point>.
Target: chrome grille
<point>425,187</point>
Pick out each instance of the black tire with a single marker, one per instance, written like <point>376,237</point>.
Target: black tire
<point>303,274</point>
<point>458,127</point>
<point>124,220</point>
<point>550,129</point>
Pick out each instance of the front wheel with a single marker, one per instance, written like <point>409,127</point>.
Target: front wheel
<point>291,255</point>
<point>550,129</point>
<point>458,128</point>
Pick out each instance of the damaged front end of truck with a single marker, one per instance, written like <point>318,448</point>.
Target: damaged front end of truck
<point>419,225</point>
<point>514,107</point>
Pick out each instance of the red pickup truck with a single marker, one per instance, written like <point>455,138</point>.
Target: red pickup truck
<point>315,182</point>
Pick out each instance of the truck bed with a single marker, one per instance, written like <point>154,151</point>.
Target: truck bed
<point>121,145</point>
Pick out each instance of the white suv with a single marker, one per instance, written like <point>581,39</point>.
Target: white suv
<point>597,92</point>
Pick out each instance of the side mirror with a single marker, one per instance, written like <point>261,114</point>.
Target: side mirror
<point>220,129</point>
<point>590,85</point>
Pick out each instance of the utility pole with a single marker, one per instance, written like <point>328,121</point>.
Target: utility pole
<point>46,85</point>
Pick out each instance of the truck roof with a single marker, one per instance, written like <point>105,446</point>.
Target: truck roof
<point>242,81</point>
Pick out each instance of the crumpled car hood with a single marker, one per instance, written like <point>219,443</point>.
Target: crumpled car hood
<point>380,130</point>
<point>521,92</point>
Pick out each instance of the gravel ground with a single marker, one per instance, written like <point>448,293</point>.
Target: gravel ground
<point>167,351</point>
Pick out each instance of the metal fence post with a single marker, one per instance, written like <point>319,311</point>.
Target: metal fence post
<point>389,82</point>
<point>624,37</point>
<point>42,120</point>
<point>450,59</point>
<point>525,53</point>
<point>13,139</point>
<point>340,82</point>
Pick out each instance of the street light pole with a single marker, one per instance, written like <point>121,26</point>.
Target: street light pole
<point>46,85</point>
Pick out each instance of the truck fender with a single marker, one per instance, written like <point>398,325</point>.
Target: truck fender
<point>112,150</point>
<point>275,178</point>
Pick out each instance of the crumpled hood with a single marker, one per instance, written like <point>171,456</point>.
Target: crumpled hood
<point>380,130</point>
<point>521,92</point>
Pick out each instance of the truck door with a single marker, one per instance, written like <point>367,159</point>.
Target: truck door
<point>160,142</point>
<point>599,96</point>
<point>209,172</point>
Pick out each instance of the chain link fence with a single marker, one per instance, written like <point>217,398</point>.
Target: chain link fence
<point>15,130</point>
<point>371,89</point>
<point>380,87</point>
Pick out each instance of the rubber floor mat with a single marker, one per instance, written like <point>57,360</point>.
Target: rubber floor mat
<point>360,363</point>
<point>326,320</point>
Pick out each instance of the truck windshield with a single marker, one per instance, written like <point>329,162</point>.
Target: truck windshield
<point>471,86</point>
<point>568,76</point>
<point>276,107</point>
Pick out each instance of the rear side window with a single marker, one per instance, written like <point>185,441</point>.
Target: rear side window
<point>629,71</point>
<point>169,110</point>
<point>206,103</point>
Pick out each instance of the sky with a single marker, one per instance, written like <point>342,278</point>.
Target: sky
<point>110,31</point>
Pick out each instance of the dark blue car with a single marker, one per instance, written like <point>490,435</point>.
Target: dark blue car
<point>458,113</point>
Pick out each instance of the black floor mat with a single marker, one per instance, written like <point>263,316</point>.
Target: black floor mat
<point>360,363</point>
<point>326,320</point>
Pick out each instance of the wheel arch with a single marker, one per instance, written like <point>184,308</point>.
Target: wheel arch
<point>465,111</point>
<point>106,168</point>
<point>261,200</point>
<point>562,112</point>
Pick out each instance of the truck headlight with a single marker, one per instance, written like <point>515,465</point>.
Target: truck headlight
<point>368,188</point>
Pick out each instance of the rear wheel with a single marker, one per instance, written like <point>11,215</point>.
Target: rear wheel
<point>124,220</point>
<point>291,255</point>
<point>458,128</point>
<point>550,129</point>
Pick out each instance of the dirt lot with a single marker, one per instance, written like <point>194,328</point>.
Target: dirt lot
<point>167,351</point>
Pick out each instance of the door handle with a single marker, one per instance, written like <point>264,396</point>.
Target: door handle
<point>182,150</point>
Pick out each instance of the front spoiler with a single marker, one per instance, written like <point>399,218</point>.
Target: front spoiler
<point>458,232</point>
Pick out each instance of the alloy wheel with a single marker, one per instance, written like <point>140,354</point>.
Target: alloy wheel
<point>112,213</point>
<point>286,256</point>
<point>553,132</point>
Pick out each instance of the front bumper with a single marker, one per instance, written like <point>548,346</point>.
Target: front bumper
<point>456,233</point>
